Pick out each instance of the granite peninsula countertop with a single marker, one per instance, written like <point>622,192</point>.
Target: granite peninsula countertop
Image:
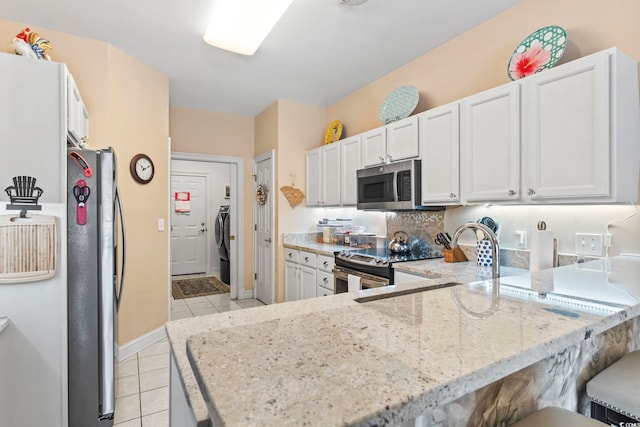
<point>390,359</point>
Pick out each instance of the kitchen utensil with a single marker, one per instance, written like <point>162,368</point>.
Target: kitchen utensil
<point>441,239</point>
<point>490,223</point>
<point>400,243</point>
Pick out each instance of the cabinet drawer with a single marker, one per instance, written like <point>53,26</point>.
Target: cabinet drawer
<point>322,292</point>
<point>291,255</point>
<point>324,280</point>
<point>326,263</point>
<point>307,258</point>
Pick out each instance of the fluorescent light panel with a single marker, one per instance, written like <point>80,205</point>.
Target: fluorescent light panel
<point>242,25</point>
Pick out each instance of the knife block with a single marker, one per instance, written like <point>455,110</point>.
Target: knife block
<point>454,255</point>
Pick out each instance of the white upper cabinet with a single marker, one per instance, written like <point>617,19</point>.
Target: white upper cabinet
<point>330,175</point>
<point>350,163</point>
<point>374,147</point>
<point>580,130</point>
<point>490,145</point>
<point>393,142</point>
<point>314,178</point>
<point>402,139</point>
<point>323,178</point>
<point>440,147</point>
<point>77,115</point>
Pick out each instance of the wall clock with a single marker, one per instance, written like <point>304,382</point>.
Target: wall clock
<point>141,168</point>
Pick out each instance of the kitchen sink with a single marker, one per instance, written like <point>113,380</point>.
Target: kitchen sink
<point>402,292</point>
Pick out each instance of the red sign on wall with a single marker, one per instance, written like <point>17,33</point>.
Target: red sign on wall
<point>182,201</point>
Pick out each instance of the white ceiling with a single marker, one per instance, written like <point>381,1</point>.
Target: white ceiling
<point>318,53</point>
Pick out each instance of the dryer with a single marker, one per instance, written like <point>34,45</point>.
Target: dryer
<point>222,233</point>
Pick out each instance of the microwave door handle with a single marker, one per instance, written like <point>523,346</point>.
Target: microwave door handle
<point>395,186</point>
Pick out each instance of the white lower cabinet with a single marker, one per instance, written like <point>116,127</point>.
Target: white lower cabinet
<point>307,275</point>
<point>324,275</point>
<point>299,275</point>
<point>180,413</point>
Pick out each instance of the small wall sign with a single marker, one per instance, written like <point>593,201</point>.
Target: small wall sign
<point>182,201</point>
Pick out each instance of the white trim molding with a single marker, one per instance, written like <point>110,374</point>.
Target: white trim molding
<point>140,343</point>
<point>248,294</point>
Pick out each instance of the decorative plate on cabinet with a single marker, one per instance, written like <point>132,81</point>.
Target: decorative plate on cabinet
<point>334,132</point>
<point>399,104</point>
<point>541,50</point>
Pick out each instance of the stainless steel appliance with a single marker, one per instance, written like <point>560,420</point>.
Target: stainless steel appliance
<point>394,186</point>
<point>93,289</point>
<point>374,267</point>
<point>222,232</point>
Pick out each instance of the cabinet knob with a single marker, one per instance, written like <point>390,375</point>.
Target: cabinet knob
<point>389,157</point>
<point>306,258</point>
<point>290,254</point>
<point>325,280</point>
<point>452,196</point>
<point>325,263</point>
<point>511,193</point>
<point>381,158</point>
<point>531,192</point>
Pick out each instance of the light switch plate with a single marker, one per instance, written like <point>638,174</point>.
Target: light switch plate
<point>588,244</point>
<point>160,224</point>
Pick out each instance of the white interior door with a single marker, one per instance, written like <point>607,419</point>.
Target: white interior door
<point>189,229</point>
<point>264,251</point>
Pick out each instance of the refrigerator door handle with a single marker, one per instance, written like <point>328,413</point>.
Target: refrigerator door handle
<point>124,248</point>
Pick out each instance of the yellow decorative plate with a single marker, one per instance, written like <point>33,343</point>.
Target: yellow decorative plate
<point>334,132</point>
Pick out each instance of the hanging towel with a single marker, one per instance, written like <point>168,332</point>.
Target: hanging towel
<point>354,283</point>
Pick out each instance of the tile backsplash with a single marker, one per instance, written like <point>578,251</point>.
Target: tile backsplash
<point>421,226</point>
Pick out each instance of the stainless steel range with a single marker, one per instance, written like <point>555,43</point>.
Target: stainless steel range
<point>374,267</point>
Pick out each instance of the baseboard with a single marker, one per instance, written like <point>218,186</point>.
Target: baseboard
<point>140,343</point>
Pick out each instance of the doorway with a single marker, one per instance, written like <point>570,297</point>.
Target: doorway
<point>218,178</point>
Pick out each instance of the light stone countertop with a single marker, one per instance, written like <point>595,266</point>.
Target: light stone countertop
<point>318,248</point>
<point>4,322</point>
<point>464,272</point>
<point>391,359</point>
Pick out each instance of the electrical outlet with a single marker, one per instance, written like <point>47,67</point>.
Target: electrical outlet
<point>521,240</point>
<point>588,244</point>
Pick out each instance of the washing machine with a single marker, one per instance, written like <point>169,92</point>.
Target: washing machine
<point>223,243</point>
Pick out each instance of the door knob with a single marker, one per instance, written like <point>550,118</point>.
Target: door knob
<point>268,240</point>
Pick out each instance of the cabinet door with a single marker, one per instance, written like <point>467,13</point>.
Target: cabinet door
<point>308,282</point>
<point>566,130</point>
<point>77,114</point>
<point>291,281</point>
<point>314,179</point>
<point>490,145</point>
<point>440,148</point>
<point>374,147</point>
<point>350,163</point>
<point>402,139</point>
<point>330,176</point>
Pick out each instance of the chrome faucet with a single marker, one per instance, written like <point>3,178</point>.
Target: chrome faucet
<point>495,270</point>
<point>495,249</point>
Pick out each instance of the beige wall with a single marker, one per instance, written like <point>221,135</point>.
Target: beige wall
<point>291,129</point>
<point>139,117</point>
<point>205,132</point>
<point>300,128</point>
<point>128,107</point>
<point>477,60</point>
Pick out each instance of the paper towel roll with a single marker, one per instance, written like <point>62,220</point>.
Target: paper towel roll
<point>353,283</point>
<point>541,250</point>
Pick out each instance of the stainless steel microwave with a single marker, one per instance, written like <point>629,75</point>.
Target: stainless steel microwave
<point>393,186</point>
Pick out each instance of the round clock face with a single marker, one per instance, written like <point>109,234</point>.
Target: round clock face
<point>142,168</point>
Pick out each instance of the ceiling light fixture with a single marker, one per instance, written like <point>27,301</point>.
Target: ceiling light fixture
<point>242,25</point>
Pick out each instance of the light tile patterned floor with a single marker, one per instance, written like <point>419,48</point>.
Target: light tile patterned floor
<point>143,379</point>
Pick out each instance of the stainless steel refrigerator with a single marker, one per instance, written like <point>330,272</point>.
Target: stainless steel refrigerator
<point>95,228</point>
